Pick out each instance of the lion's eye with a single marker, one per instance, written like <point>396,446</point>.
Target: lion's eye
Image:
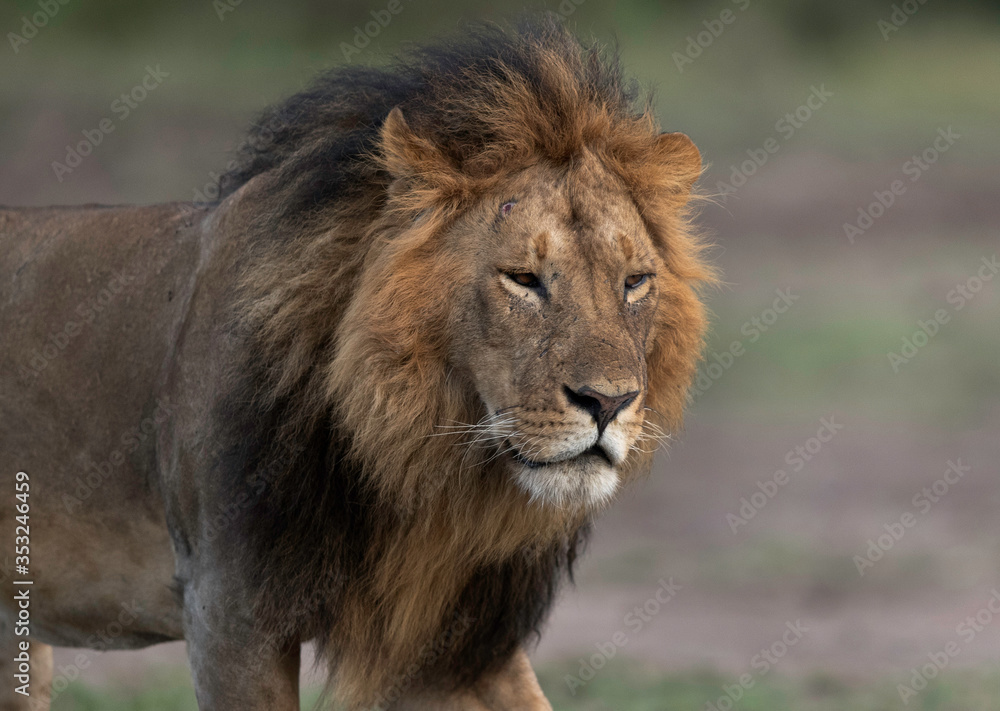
<point>526,279</point>
<point>635,280</point>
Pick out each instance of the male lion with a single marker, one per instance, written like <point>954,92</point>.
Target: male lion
<point>371,398</point>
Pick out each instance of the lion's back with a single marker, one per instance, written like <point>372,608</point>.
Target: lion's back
<point>87,297</point>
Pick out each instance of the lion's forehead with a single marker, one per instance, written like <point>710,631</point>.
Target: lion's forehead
<point>585,220</point>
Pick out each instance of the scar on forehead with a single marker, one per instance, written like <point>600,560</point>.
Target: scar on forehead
<point>541,245</point>
<point>627,245</point>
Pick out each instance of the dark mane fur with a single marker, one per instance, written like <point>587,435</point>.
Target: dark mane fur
<point>323,136</point>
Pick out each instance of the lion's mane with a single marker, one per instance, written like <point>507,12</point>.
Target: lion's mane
<point>354,527</point>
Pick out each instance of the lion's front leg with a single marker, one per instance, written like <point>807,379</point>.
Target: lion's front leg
<point>513,688</point>
<point>233,666</point>
<point>233,677</point>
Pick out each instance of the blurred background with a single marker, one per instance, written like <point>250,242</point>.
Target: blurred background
<point>823,534</point>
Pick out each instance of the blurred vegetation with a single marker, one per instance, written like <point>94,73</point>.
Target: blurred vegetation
<point>628,686</point>
<point>254,52</point>
<point>831,347</point>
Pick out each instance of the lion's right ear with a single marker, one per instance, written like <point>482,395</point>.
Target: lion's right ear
<point>683,159</point>
<point>407,155</point>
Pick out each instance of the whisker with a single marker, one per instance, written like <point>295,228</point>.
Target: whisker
<point>660,439</point>
<point>477,426</point>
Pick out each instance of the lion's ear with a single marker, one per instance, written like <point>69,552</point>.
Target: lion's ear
<point>679,154</point>
<point>407,155</point>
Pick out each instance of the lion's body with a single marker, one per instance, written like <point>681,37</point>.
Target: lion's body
<point>240,442</point>
<point>80,375</point>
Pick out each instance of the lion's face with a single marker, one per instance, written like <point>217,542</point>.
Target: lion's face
<point>554,320</point>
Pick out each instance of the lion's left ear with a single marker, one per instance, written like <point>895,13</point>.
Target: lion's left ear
<point>407,155</point>
<point>677,152</point>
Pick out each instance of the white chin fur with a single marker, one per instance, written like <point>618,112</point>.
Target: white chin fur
<point>589,484</point>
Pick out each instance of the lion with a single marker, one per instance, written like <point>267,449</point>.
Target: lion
<point>372,397</point>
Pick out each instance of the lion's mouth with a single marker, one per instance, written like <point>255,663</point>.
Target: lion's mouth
<point>594,451</point>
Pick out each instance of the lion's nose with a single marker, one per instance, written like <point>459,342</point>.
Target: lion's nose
<point>603,408</point>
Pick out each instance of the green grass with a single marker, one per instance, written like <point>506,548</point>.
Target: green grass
<point>166,691</point>
<point>80,697</point>
<point>625,686</point>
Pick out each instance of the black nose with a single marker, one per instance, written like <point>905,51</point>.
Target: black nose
<point>603,408</point>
